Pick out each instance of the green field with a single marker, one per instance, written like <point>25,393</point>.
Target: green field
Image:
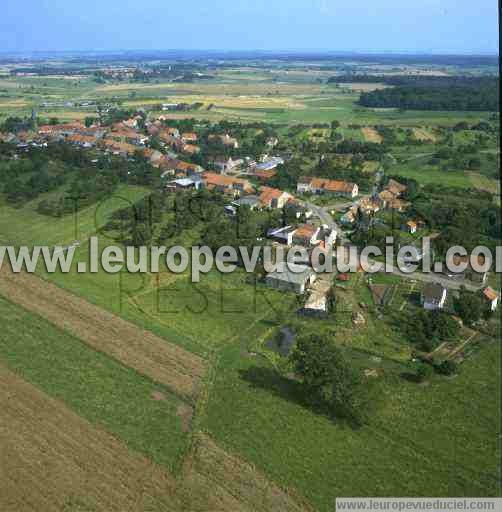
<point>437,440</point>
<point>95,386</point>
<point>420,170</point>
<point>240,94</point>
<point>24,226</point>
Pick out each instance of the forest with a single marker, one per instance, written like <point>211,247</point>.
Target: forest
<point>436,93</point>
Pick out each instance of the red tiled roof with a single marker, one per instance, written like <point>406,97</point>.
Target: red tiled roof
<point>220,180</point>
<point>265,175</point>
<point>268,194</point>
<point>305,231</point>
<point>329,185</point>
<point>490,293</point>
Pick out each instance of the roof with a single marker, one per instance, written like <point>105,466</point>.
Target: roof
<point>82,139</point>
<point>60,127</point>
<point>297,274</point>
<point>265,175</point>
<point>398,204</point>
<point>305,231</point>
<point>269,164</point>
<point>191,148</point>
<point>395,187</point>
<point>457,260</point>
<point>339,186</point>
<point>189,136</point>
<point>268,194</point>
<point>185,166</point>
<point>183,182</point>
<point>386,195</point>
<point>433,291</point>
<point>411,224</point>
<point>281,232</point>
<point>248,201</point>
<point>490,293</point>
<point>221,180</point>
<point>329,185</point>
<point>120,146</point>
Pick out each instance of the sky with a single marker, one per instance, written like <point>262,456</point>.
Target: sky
<point>415,26</point>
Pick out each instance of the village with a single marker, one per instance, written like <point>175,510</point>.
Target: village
<point>323,214</point>
<point>240,279</point>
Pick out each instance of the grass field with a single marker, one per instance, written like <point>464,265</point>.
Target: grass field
<point>53,459</point>
<point>247,94</point>
<point>95,386</point>
<point>24,226</point>
<point>438,440</point>
<point>430,174</point>
<point>152,356</point>
<point>86,433</point>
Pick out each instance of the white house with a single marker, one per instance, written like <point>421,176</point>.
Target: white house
<point>295,278</point>
<point>492,297</point>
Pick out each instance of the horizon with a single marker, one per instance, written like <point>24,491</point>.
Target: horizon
<point>278,51</point>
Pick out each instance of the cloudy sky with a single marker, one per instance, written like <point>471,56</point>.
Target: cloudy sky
<point>439,26</point>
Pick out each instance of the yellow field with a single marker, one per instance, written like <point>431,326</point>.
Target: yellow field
<point>423,135</point>
<point>483,183</point>
<point>360,87</point>
<point>371,135</point>
<point>10,103</point>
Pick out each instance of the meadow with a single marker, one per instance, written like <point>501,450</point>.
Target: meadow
<point>25,226</point>
<point>436,440</point>
<point>238,94</point>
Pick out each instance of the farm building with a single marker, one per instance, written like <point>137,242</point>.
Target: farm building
<point>185,184</point>
<point>269,164</point>
<point>434,296</point>
<point>252,201</point>
<point>325,186</point>
<point>294,278</point>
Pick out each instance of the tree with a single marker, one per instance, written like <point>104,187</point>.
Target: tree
<point>447,367</point>
<point>89,121</point>
<point>423,372</point>
<point>141,235</point>
<point>335,124</point>
<point>329,380</point>
<point>468,306</point>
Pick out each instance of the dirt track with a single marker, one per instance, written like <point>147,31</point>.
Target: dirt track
<point>139,349</point>
<point>52,460</point>
<point>212,467</point>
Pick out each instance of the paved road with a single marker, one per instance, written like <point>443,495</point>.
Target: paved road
<point>326,218</point>
<point>433,277</point>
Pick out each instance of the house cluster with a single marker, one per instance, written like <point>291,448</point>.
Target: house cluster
<point>391,197</point>
<point>388,199</point>
<point>172,138</point>
<point>301,275</point>
<point>434,297</point>
<point>226,140</point>
<point>124,139</point>
<point>307,184</point>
